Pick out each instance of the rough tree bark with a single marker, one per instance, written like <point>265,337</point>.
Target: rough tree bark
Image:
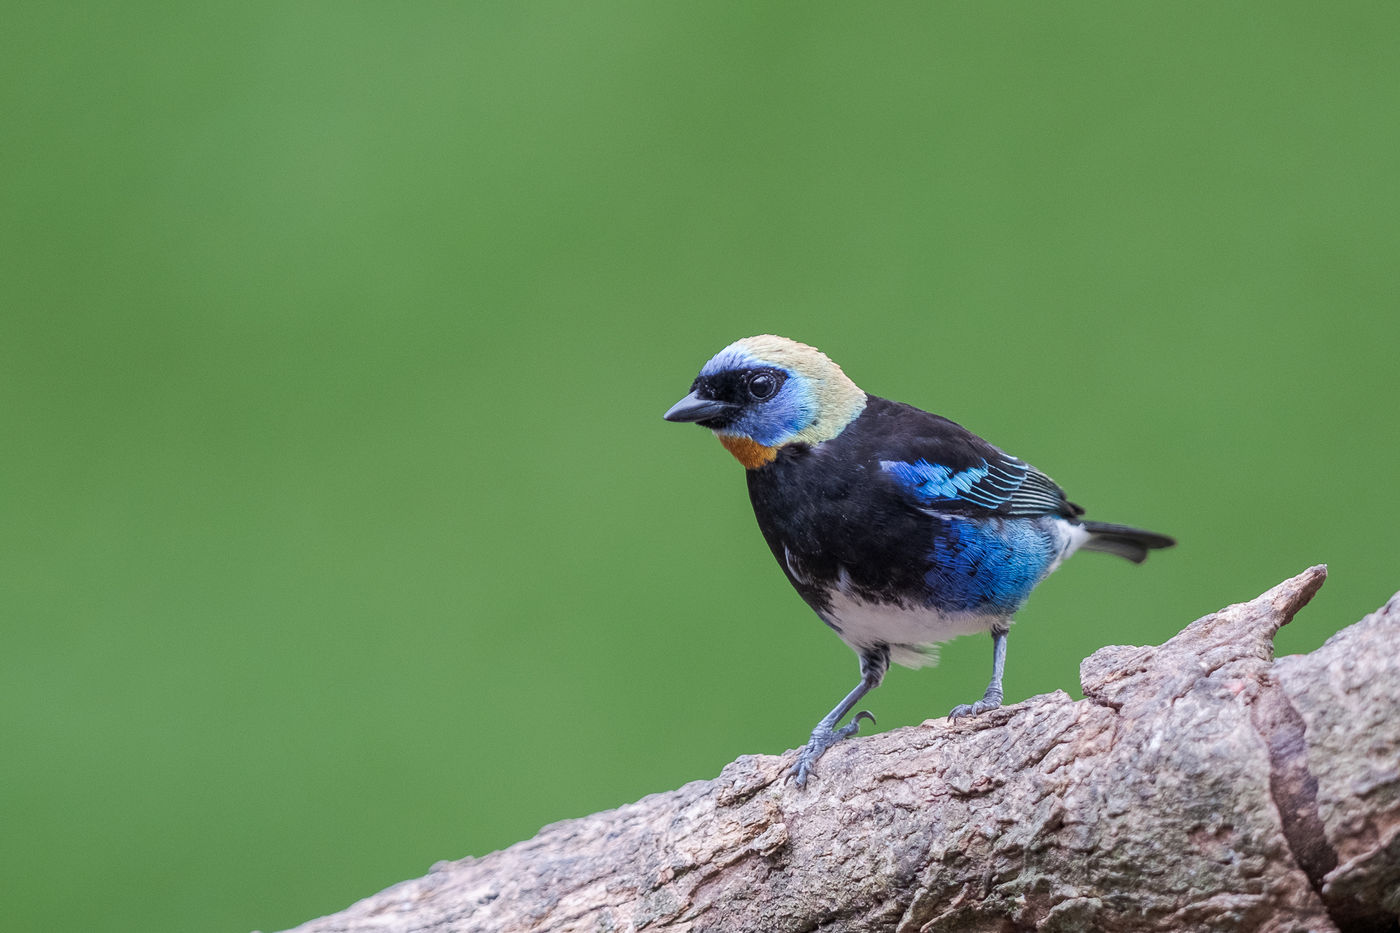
<point>1200,785</point>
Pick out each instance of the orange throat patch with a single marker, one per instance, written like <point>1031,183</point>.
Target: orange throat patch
<point>748,451</point>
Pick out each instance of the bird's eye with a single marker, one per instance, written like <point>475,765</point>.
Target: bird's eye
<point>763,386</point>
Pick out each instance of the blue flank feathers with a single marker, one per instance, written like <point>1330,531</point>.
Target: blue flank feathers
<point>988,566</point>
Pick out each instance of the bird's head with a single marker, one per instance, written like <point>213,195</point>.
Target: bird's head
<point>761,393</point>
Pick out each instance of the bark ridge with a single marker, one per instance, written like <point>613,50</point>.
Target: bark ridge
<point>1200,785</point>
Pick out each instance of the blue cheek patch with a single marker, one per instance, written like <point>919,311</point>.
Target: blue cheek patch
<point>988,565</point>
<point>774,422</point>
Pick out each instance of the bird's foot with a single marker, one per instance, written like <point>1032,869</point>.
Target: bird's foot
<point>823,737</point>
<point>991,700</point>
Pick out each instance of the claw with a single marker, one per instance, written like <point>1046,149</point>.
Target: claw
<point>973,709</point>
<point>821,740</point>
<point>802,767</point>
<point>852,727</point>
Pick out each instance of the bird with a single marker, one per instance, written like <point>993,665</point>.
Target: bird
<point>900,528</point>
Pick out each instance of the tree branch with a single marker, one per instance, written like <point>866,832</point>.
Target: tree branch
<point>1200,785</point>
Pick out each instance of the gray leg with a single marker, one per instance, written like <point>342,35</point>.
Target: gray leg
<point>992,698</point>
<point>873,664</point>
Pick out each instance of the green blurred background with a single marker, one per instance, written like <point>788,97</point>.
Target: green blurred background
<point>342,532</point>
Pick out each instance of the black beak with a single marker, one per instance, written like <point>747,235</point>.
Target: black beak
<point>695,408</point>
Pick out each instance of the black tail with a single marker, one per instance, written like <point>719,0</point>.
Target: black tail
<point>1132,543</point>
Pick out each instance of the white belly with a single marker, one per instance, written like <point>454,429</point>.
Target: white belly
<point>911,631</point>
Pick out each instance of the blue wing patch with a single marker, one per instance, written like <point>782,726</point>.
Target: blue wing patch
<point>1009,486</point>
